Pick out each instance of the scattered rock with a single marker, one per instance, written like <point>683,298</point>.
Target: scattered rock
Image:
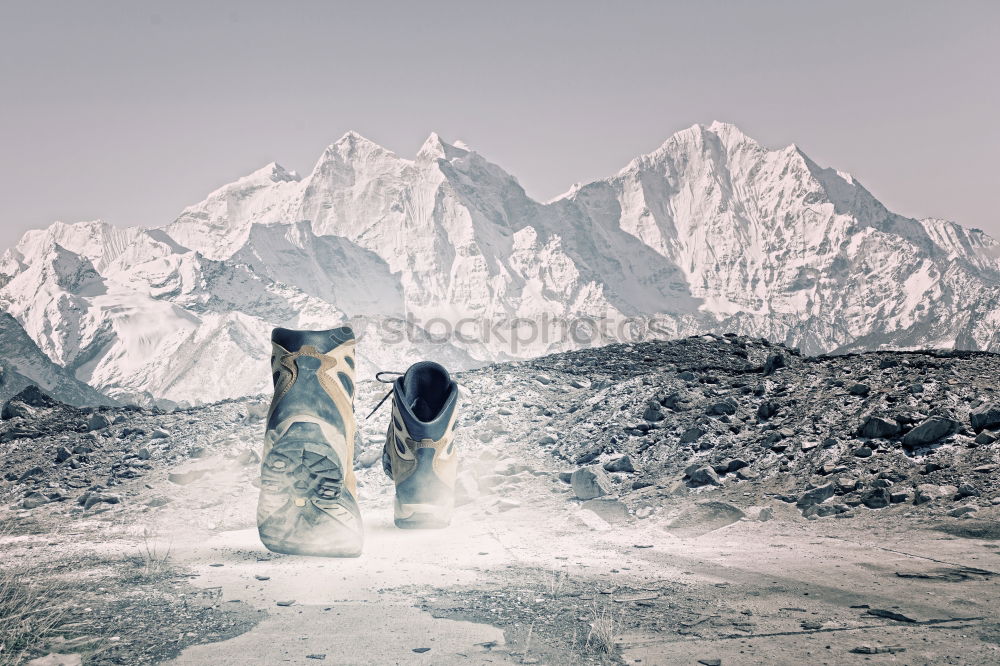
<point>704,475</point>
<point>817,495</point>
<point>622,464</point>
<point>928,492</point>
<point>985,417</point>
<point>859,389</point>
<point>34,500</point>
<point>876,498</point>
<point>97,421</point>
<point>692,434</point>
<point>877,426</point>
<point>590,482</point>
<point>724,407</point>
<point>773,363</point>
<point>653,412</point>
<point>930,431</point>
<point>767,409</point>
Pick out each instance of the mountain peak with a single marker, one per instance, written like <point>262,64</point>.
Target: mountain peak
<point>434,148</point>
<point>275,173</point>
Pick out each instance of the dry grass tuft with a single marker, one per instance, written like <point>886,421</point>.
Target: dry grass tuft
<point>154,557</point>
<point>30,612</point>
<point>604,629</point>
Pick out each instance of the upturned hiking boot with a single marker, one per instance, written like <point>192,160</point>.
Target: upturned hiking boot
<point>419,454</point>
<point>308,496</point>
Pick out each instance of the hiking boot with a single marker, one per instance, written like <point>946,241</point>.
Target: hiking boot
<point>308,495</point>
<point>419,454</point>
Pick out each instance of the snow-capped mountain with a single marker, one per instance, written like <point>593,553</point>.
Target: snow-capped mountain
<point>22,364</point>
<point>710,232</point>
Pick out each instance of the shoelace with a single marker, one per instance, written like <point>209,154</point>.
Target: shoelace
<point>378,377</point>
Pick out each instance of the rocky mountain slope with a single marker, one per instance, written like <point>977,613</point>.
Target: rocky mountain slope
<point>710,232</point>
<point>618,430</point>
<point>22,364</point>
<point>706,500</point>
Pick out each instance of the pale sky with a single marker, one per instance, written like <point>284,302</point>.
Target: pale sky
<point>129,111</point>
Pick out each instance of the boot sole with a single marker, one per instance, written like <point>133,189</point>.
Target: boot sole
<point>304,507</point>
<point>421,516</point>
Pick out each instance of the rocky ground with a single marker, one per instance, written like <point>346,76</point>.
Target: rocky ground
<point>711,499</point>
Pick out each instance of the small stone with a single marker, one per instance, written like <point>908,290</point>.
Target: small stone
<point>876,498</point>
<point>623,464</point>
<point>847,484</point>
<point>63,454</point>
<point>34,500</point>
<point>318,657</point>
<point>692,435</point>
<point>259,577</point>
<point>765,514</point>
<point>930,431</point>
<point>927,492</point>
<point>817,495</point>
<point>159,433</point>
<point>968,490</point>
<point>960,511</point>
<point>704,476</point>
<point>862,452</point>
<point>721,408</point>
<point>94,499</point>
<point>421,650</point>
<point>143,454</point>
<point>31,472</point>
<point>97,421</point>
<point>985,417</point>
<point>773,363</point>
<point>877,426</point>
<point>767,409</point>
<point>546,440</point>
<point>285,603</point>
<point>984,438</point>
<point>710,661</point>
<point>653,412</point>
<point>900,496</point>
<point>859,389</point>
<point>590,482</point>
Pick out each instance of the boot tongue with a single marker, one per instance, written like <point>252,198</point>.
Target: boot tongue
<point>322,341</point>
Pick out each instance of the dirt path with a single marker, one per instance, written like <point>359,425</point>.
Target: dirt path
<point>528,585</point>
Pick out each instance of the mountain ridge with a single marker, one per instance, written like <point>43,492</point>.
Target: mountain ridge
<point>711,231</point>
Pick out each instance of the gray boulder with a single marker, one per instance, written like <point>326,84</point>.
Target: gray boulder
<point>985,417</point>
<point>590,482</point>
<point>930,431</point>
<point>877,426</point>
